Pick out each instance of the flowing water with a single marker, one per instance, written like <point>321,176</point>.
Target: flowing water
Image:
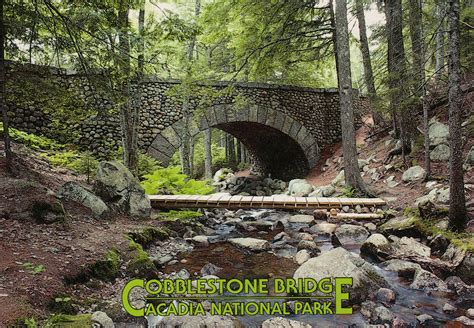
<point>239,263</point>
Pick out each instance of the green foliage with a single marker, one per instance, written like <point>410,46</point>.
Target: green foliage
<point>171,181</point>
<point>146,163</point>
<point>348,191</point>
<point>31,140</point>
<point>70,321</point>
<point>185,214</point>
<point>34,269</point>
<point>218,157</point>
<point>462,240</point>
<point>61,304</point>
<point>80,162</point>
<point>243,166</point>
<point>30,323</point>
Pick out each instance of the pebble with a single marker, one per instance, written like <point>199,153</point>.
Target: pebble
<point>422,318</point>
<point>448,308</point>
<point>470,313</point>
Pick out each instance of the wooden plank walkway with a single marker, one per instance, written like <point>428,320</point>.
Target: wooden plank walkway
<point>275,201</point>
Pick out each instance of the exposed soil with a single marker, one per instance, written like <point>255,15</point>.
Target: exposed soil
<point>63,249</point>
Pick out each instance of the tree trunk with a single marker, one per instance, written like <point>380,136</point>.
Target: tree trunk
<point>239,151</point>
<point>141,43</point>
<point>334,38</point>
<point>457,201</point>
<point>351,167</point>
<point>243,153</point>
<point>397,74</point>
<point>417,46</point>
<point>440,53</point>
<point>186,138</point>
<point>418,50</point>
<point>208,153</point>
<point>191,157</point>
<point>368,73</point>
<point>230,149</point>
<point>6,135</point>
<point>390,68</point>
<point>127,109</point>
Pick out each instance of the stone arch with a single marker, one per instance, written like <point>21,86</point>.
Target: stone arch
<point>279,145</point>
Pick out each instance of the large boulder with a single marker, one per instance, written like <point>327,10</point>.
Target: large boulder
<point>466,269</point>
<point>414,173</point>
<point>73,191</point>
<point>377,245</point>
<point>350,234</point>
<point>401,267</point>
<point>323,191</point>
<point>102,319</point>
<point>407,247</point>
<point>117,185</point>
<point>425,280</point>
<point>438,133</point>
<point>339,262</point>
<point>299,188</point>
<point>441,153</point>
<point>401,226</point>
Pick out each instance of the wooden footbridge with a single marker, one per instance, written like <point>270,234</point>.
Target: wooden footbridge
<point>268,202</point>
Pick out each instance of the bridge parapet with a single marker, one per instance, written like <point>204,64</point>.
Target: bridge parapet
<point>309,117</point>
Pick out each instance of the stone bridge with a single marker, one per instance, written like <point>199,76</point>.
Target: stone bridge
<point>282,127</point>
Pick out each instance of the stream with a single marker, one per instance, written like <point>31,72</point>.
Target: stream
<point>237,262</point>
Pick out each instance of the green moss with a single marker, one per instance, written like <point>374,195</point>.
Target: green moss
<point>185,214</point>
<point>411,212</point>
<point>463,240</point>
<point>148,235</point>
<point>418,144</point>
<point>61,304</point>
<point>400,224</point>
<point>138,260</point>
<point>69,321</point>
<point>179,221</point>
<point>108,268</point>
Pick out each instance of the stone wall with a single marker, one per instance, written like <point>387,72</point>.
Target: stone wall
<point>309,117</point>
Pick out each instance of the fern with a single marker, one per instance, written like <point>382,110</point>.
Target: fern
<point>171,181</point>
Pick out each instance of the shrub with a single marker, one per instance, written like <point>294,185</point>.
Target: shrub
<point>146,163</point>
<point>171,181</point>
<point>82,163</point>
<point>31,140</point>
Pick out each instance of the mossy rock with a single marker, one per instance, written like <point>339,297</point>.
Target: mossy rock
<point>48,211</point>
<point>401,226</point>
<point>70,321</point>
<point>183,225</point>
<point>138,262</point>
<point>149,235</point>
<point>106,269</point>
<point>61,304</point>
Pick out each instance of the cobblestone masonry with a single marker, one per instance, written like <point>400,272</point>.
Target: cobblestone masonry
<point>283,127</point>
